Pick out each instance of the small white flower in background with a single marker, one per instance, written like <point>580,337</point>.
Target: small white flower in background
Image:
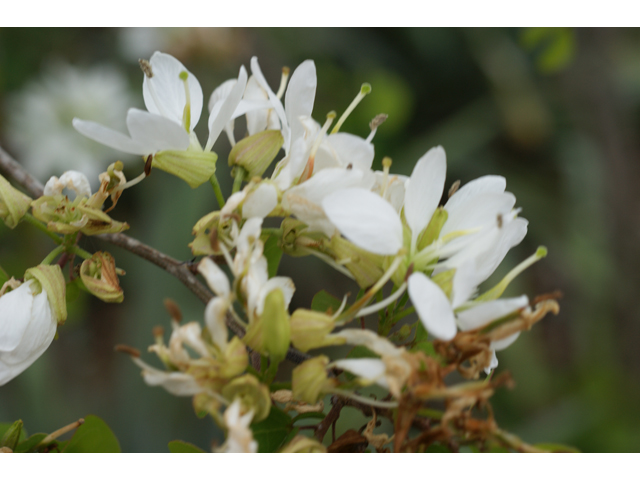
<point>239,435</point>
<point>39,119</point>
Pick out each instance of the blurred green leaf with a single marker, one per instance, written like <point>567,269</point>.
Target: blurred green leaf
<point>93,436</point>
<point>323,301</point>
<point>437,448</point>
<point>30,444</point>
<point>554,48</point>
<point>180,446</point>
<point>273,254</point>
<point>272,431</point>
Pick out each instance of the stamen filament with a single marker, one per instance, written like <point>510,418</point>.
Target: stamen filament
<point>365,400</point>
<point>308,169</point>
<point>380,305</point>
<point>329,261</point>
<point>365,89</point>
<point>283,82</point>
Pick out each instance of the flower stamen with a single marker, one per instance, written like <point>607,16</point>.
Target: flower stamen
<point>365,89</point>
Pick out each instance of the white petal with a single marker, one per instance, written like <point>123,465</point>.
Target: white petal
<point>215,277</point>
<point>487,312</point>
<point>218,120</point>
<point>276,104</point>
<point>374,342</point>
<point>371,369</point>
<point>352,150</point>
<point>425,190</point>
<point>283,283</point>
<point>15,315</point>
<point>486,184</point>
<point>464,283</point>
<point>156,133</point>
<point>77,182</point>
<point>176,383</point>
<point>168,97</point>
<point>505,342</point>
<point>479,211</point>
<point>432,306</point>
<point>214,317</point>
<point>256,118</point>
<point>493,364</point>
<point>260,202</point>
<point>301,93</point>
<point>109,137</point>
<point>512,233</point>
<point>365,219</point>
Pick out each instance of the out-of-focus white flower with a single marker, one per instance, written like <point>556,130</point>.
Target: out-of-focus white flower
<point>239,435</point>
<point>39,119</point>
<point>27,328</point>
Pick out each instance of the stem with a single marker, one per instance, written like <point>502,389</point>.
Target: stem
<point>239,177</point>
<point>80,252</point>
<point>61,431</point>
<point>42,227</point>
<point>213,180</point>
<point>54,253</point>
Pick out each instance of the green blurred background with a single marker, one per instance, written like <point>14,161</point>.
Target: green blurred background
<point>555,111</point>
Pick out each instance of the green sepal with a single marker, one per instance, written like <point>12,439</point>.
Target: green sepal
<point>432,232</point>
<point>13,203</point>
<point>50,278</point>
<point>365,266</point>
<point>192,166</point>
<point>252,394</point>
<point>255,153</point>
<point>11,437</point>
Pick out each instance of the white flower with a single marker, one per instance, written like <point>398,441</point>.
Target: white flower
<point>239,435</point>
<point>39,118</point>
<point>174,99</point>
<point>481,227</point>
<point>27,328</point>
<point>72,180</point>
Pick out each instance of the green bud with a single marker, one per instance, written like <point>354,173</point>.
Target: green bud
<point>50,279</point>
<point>302,444</point>
<point>98,274</point>
<point>311,329</point>
<point>432,232</point>
<point>11,437</point>
<point>192,166</point>
<point>366,267</point>
<point>309,380</point>
<point>253,395</point>
<point>255,153</point>
<point>13,203</point>
<point>271,332</point>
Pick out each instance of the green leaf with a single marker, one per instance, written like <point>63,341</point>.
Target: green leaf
<point>324,302</point>
<point>556,448</point>
<point>273,254</point>
<point>437,448</point>
<point>93,436</point>
<point>425,347</point>
<point>272,431</point>
<point>180,446</point>
<point>30,444</point>
<point>421,333</point>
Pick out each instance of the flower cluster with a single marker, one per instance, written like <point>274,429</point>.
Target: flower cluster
<point>375,227</point>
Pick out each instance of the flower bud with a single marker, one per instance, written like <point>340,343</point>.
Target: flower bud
<point>99,275</point>
<point>366,267</point>
<point>252,394</point>
<point>302,444</point>
<point>311,329</point>
<point>50,279</point>
<point>270,333</point>
<point>13,204</point>
<point>192,166</point>
<point>235,359</point>
<point>309,380</point>
<point>11,437</point>
<point>255,153</point>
